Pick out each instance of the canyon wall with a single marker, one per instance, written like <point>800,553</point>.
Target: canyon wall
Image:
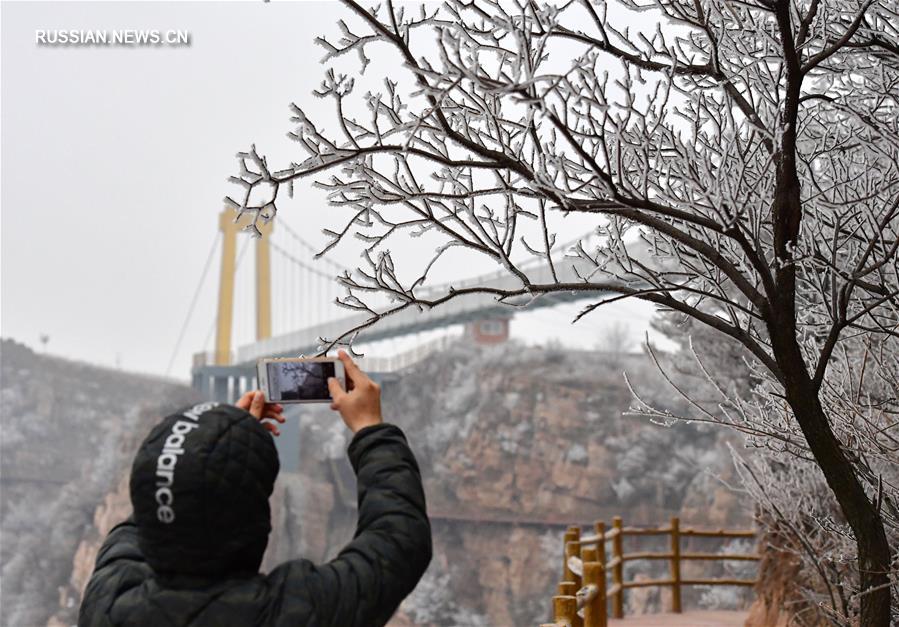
<point>514,443</point>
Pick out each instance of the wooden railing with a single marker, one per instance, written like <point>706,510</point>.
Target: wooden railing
<point>584,597</point>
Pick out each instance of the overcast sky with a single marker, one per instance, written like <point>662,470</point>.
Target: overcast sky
<point>114,164</point>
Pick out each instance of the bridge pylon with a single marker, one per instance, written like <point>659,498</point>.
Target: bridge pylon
<point>225,316</point>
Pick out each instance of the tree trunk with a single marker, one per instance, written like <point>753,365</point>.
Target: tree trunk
<point>860,512</point>
<point>801,393</point>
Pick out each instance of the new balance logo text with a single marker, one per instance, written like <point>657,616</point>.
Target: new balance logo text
<point>168,459</point>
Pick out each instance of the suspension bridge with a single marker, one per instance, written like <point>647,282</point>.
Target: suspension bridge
<point>284,267</point>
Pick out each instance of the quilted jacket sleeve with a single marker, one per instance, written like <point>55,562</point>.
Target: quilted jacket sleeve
<point>365,583</point>
<point>119,567</point>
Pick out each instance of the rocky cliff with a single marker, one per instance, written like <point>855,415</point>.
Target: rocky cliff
<point>69,431</point>
<point>514,443</point>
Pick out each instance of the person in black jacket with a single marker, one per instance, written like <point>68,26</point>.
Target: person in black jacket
<point>200,484</point>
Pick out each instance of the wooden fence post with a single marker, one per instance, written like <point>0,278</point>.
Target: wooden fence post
<point>573,549</point>
<point>675,565</point>
<point>594,610</point>
<point>600,528</point>
<point>567,537</point>
<point>565,609</point>
<point>570,536</point>
<point>569,589</point>
<point>618,569</point>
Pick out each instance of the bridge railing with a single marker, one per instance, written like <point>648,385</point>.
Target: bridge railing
<point>585,598</point>
<point>391,363</point>
<point>406,358</point>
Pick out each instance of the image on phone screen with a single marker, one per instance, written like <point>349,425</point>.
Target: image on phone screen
<point>299,381</point>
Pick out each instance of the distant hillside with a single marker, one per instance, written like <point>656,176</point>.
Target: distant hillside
<point>68,433</point>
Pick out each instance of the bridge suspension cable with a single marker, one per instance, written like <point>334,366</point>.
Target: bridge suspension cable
<point>309,288</point>
<point>193,302</point>
<point>302,242</point>
<point>301,263</point>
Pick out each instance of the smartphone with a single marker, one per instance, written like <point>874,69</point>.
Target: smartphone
<point>300,380</point>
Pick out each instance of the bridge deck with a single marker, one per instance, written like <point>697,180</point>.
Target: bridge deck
<point>687,619</point>
<point>412,320</point>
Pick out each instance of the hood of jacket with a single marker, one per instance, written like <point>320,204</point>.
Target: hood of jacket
<point>200,485</point>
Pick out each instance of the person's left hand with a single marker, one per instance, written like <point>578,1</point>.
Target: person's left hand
<point>254,402</point>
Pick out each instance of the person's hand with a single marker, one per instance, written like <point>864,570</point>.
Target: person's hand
<point>360,406</point>
<point>254,402</point>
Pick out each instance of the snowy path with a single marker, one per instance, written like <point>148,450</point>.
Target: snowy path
<point>687,619</point>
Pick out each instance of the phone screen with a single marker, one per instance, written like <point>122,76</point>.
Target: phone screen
<point>299,380</point>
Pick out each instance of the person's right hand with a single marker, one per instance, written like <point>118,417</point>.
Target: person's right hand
<point>361,406</point>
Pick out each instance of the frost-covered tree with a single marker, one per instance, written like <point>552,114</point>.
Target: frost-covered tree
<point>750,145</point>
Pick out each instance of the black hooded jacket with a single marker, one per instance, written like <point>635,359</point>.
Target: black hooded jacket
<point>190,554</point>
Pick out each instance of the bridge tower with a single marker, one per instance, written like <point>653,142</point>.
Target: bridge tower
<point>225,317</point>
<point>222,380</point>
